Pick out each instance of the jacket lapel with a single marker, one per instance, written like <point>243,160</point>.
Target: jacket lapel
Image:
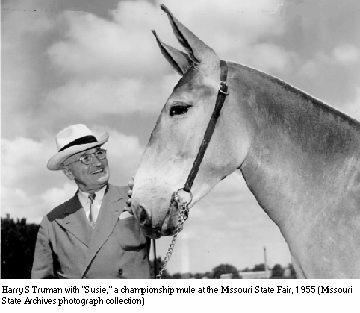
<point>74,220</point>
<point>105,223</point>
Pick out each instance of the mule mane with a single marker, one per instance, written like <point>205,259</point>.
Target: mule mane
<point>315,126</point>
<point>304,95</point>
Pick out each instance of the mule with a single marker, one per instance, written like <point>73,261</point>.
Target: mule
<point>299,157</point>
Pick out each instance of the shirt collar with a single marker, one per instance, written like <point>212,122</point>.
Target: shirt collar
<point>84,196</point>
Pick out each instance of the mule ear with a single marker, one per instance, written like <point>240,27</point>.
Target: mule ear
<point>198,51</point>
<point>177,59</point>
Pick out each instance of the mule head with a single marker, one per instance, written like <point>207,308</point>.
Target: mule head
<point>179,131</point>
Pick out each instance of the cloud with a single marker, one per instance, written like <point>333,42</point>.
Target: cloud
<point>23,161</point>
<point>107,96</point>
<point>346,54</point>
<point>18,19</point>
<point>22,45</point>
<point>215,24</point>
<point>352,108</point>
<point>95,47</point>
<point>115,66</point>
<point>25,180</point>
<point>19,203</point>
<point>124,154</point>
<point>270,58</point>
<point>85,65</point>
<point>330,77</point>
<point>232,221</point>
<point>82,66</point>
<point>54,196</point>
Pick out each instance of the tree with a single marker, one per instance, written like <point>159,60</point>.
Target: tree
<point>292,271</point>
<point>225,269</point>
<point>277,271</point>
<point>208,275</point>
<point>198,275</point>
<point>17,248</point>
<point>176,276</point>
<point>259,267</point>
<point>165,273</point>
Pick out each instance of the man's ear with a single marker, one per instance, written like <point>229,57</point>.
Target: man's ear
<point>68,173</point>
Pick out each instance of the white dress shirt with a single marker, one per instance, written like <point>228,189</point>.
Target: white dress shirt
<point>85,201</point>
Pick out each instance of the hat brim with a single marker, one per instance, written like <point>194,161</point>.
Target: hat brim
<point>54,164</point>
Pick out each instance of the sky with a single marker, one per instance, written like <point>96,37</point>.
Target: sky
<point>97,63</point>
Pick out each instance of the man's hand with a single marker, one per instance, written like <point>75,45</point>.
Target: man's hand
<point>131,186</point>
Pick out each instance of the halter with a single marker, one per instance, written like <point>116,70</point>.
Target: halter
<point>177,199</point>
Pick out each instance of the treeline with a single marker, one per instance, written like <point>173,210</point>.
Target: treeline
<point>230,271</point>
<point>18,240</point>
<point>17,248</point>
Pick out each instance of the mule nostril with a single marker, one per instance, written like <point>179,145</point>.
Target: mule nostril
<point>143,216</point>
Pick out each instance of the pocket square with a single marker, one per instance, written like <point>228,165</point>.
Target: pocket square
<point>125,214</point>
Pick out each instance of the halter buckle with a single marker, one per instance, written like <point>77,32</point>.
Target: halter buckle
<point>223,88</point>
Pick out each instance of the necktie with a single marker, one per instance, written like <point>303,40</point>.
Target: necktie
<point>93,210</point>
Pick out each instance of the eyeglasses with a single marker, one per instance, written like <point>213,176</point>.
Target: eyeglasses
<point>88,157</point>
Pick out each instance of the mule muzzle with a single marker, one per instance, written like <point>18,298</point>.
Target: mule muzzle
<point>176,214</point>
<point>156,230</point>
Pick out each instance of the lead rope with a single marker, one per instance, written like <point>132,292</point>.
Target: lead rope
<point>184,206</point>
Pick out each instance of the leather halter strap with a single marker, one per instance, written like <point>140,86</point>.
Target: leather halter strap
<point>178,200</point>
<point>221,96</point>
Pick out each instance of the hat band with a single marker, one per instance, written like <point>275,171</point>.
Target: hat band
<point>79,141</point>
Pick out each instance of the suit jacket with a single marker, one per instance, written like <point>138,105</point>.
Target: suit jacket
<point>68,247</point>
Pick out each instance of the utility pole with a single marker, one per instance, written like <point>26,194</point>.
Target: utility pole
<point>155,260</point>
<point>265,260</point>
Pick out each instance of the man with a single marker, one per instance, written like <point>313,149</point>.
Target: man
<point>92,235</point>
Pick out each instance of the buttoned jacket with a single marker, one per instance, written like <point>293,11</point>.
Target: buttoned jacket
<point>68,247</point>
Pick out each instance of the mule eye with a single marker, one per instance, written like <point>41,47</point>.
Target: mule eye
<point>179,109</point>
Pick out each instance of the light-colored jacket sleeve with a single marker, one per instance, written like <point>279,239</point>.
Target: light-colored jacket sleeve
<point>43,266</point>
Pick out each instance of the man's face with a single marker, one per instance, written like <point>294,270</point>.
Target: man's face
<point>91,177</point>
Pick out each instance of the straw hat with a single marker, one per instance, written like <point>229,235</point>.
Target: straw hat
<point>71,140</point>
